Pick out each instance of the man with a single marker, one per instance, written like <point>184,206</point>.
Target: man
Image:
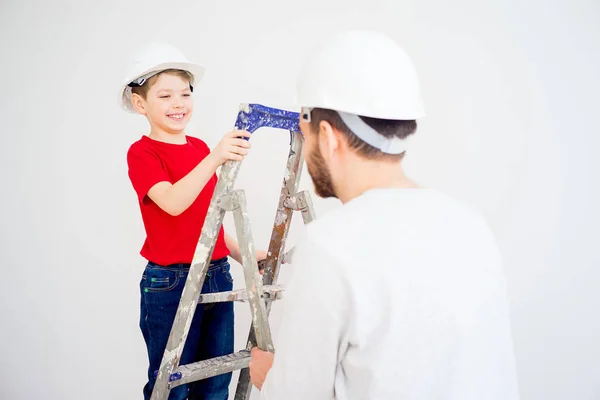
<point>399,293</point>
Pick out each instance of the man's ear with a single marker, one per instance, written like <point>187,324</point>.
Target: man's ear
<point>329,140</point>
<point>138,103</point>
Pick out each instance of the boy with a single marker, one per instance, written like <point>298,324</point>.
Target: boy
<point>174,178</point>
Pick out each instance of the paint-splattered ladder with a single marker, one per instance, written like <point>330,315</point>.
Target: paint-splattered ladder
<point>260,290</point>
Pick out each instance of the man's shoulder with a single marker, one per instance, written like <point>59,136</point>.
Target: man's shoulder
<point>325,224</point>
<point>340,221</point>
<point>380,217</point>
<point>324,235</point>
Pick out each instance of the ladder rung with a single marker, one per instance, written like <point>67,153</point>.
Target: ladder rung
<point>270,293</point>
<point>209,368</point>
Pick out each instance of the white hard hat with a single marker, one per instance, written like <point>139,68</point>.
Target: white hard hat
<point>150,59</point>
<point>363,73</point>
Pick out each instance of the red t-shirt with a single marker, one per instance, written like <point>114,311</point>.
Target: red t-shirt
<point>169,239</point>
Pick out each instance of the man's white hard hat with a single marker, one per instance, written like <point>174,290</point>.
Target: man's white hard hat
<point>364,73</point>
<point>149,60</point>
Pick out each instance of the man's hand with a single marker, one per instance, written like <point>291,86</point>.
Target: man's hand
<point>259,366</point>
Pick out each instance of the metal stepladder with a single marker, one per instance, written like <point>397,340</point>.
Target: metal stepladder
<point>260,290</point>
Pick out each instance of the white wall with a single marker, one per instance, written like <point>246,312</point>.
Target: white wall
<point>511,91</point>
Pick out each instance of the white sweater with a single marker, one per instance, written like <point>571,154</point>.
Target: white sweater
<point>399,294</point>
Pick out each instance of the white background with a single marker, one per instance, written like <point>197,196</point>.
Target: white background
<point>511,91</point>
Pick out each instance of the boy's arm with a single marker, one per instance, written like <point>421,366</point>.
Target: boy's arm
<point>176,198</point>
<point>234,249</point>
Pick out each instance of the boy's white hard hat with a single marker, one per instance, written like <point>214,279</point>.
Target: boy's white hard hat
<point>150,59</point>
<point>364,73</point>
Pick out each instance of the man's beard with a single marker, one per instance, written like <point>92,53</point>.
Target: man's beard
<point>320,175</point>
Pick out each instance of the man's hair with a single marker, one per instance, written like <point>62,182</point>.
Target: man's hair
<point>386,127</point>
<point>143,90</point>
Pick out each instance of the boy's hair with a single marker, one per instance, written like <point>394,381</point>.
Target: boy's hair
<point>142,90</point>
<point>386,127</point>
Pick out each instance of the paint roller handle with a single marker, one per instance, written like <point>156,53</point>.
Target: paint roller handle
<point>254,116</point>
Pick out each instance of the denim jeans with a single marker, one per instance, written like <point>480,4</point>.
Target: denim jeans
<point>211,332</point>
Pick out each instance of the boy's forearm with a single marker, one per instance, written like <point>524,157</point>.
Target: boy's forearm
<point>234,248</point>
<point>176,198</point>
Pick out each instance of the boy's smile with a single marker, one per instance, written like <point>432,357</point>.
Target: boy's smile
<point>176,117</point>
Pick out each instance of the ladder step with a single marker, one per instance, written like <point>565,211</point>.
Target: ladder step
<point>209,368</point>
<point>270,293</point>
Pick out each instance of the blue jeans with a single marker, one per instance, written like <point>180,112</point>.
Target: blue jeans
<point>211,332</point>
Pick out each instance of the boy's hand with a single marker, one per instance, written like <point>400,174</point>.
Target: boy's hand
<point>261,255</point>
<point>232,147</point>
